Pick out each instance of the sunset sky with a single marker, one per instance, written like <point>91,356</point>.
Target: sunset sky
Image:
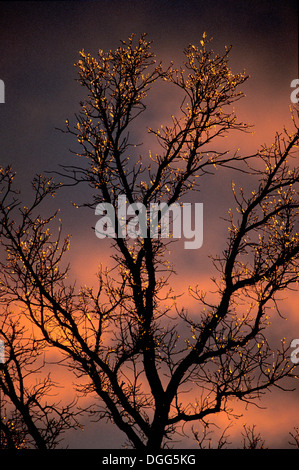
<point>40,42</point>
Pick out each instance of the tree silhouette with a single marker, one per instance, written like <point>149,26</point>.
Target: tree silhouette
<point>126,341</point>
<point>30,417</point>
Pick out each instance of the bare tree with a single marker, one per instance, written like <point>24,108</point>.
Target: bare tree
<point>251,439</point>
<point>295,438</point>
<point>206,440</point>
<point>30,417</point>
<point>123,341</point>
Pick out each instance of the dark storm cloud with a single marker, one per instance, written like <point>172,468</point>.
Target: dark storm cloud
<point>40,43</point>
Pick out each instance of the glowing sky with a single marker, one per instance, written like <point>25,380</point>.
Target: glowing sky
<point>39,45</point>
